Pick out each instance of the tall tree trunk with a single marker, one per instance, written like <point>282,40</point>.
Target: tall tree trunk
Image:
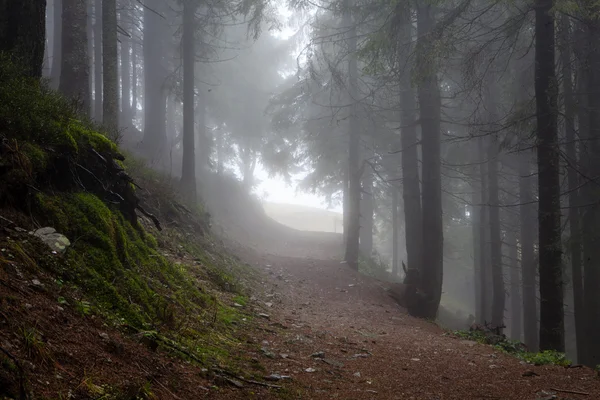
<point>498,299</point>
<point>528,264</point>
<point>516,312</point>
<point>110,66</point>
<point>188,173</point>
<point>366,214</point>
<point>573,183</point>
<point>155,135</point>
<point>395,229</point>
<point>75,73</point>
<point>56,43</point>
<point>590,167</point>
<point>354,173</point>
<point>430,108</point>
<point>551,285</point>
<point>23,33</point>
<point>98,77</point>
<point>476,214</point>
<point>411,193</point>
<point>125,82</point>
<point>134,80</point>
<point>484,234</point>
<point>90,51</point>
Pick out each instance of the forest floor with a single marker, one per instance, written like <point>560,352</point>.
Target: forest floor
<point>320,331</point>
<point>345,338</point>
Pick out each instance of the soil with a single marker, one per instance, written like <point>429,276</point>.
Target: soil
<point>334,333</point>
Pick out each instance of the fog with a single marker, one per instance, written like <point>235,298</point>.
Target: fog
<point>416,122</point>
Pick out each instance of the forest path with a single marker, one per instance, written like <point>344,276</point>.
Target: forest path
<point>345,338</point>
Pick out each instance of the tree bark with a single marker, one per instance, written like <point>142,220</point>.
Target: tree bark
<point>56,44</point>
<point>75,73</point>
<point>155,135</point>
<point>498,298</point>
<point>476,214</point>
<point>110,66</point>
<point>98,79</point>
<point>430,108</point>
<point>395,229</point>
<point>409,142</point>
<point>590,168</point>
<point>528,264</point>
<point>366,214</point>
<point>484,234</point>
<point>23,33</point>
<point>551,285</point>
<point>188,173</point>
<point>354,173</point>
<point>125,79</point>
<point>573,184</point>
<point>516,312</point>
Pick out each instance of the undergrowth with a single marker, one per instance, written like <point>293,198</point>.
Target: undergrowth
<point>168,283</point>
<point>515,348</point>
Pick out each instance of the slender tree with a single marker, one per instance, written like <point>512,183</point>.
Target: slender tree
<point>98,63</point>
<point>188,173</point>
<point>75,72</point>
<point>110,66</point>
<point>354,169</point>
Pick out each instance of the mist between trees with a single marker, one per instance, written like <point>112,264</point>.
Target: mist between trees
<point>460,136</point>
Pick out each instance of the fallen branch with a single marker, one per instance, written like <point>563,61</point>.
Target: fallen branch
<point>570,391</point>
<point>151,216</point>
<point>253,382</point>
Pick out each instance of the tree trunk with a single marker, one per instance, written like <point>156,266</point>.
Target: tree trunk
<point>516,314</point>
<point>476,214</point>
<point>98,78</point>
<point>90,51</point>
<point>528,264</point>
<point>395,229</point>
<point>573,183</point>
<point>354,173</point>
<point>188,173</point>
<point>75,74</point>
<point>125,81</point>
<point>551,286</point>
<point>56,44</point>
<point>134,80</point>
<point>409,143</point>
<point>155,135</point>
<point>366,214</point>
<point>23,33</point>
<point>590,167</point>
<point>484,234</point>
<point>430,108</point>
<point>498,299</point>
<point>110,66</point>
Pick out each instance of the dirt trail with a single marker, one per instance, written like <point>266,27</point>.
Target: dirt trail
<point>345,338</point>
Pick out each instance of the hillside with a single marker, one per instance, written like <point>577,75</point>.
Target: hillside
<point>305,218</point>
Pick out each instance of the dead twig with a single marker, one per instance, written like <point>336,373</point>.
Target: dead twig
<point>570,391</point>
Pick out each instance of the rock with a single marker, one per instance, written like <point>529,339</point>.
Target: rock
<point>546,395</point>
<point>333,362</point>
<point>319,354</point>
<point>263,315</point>
<point>310,370</point>
<point>56,241</point>
<point>267,353</point>
<point>357,374</point>
<point>237,305</point>
<point>104,335</point>
<point>415,359</point>
<point>494,366</point>
<point>276,377</point>
<point>362,355</point>
<point>269,304</point>
<point>283,355</point>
